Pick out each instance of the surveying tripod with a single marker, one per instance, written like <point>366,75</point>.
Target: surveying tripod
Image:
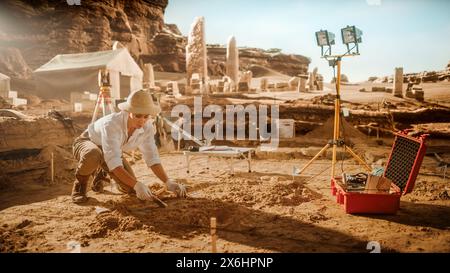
<point>104,96</point>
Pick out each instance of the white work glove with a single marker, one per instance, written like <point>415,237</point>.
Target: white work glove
<point>179,189</point>
<point>143,192</point>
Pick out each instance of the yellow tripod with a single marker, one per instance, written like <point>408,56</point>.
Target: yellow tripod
<point>336,134</point>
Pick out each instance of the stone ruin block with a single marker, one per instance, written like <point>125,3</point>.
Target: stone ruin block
<point>196,86</point>
<point>302,83</point>
<point>220,86</point>
<point>378,89</point>
<point>319,85</point>
<point>281,86</point>
<point>410,94</point>
<point>182,88</point>
<point>172,88</point>
<point>243,87</point>
<point>418,93</point>
<point>293,83</point>
<point>264,84</point>
<point>398,81</point>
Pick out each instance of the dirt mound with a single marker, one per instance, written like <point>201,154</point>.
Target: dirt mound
<point>34,166</point>
<point>327,99</point>
<point>260,71</point>
<point>63,161</point>
<point>276,190</point>
<point>347,131</point>
<point>430,191</point>
<point>13,239</point>
<point>108,223</point>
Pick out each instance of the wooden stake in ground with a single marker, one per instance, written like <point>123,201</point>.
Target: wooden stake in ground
<point>213,234</point>
<point>52,166</point>
<point>179,140</point>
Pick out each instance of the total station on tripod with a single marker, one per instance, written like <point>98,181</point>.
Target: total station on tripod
<point>103,78</point>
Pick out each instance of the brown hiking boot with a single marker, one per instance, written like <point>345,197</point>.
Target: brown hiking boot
<point>97,183</point>
<point>79,189</point>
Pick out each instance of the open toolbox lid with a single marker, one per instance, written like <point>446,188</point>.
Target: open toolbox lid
<point>405,160</point>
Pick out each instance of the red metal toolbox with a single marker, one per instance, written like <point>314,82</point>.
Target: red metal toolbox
<point>402,168</point>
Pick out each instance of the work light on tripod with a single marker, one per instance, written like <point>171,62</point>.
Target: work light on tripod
<point>350,36</point>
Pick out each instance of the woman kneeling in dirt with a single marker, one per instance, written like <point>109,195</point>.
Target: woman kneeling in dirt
<point>99,150</point>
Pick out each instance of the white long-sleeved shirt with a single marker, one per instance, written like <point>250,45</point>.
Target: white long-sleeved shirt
<point>111,133</point>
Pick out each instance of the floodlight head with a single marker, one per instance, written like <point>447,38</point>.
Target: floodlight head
<point>325,38</point>
<point>351,35</point>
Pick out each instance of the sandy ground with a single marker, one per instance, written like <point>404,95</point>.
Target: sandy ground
<point>267,210</point>
<point>433,92</point>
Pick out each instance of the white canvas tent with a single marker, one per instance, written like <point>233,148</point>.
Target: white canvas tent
<point>4,85</point>
<point>68,73</point>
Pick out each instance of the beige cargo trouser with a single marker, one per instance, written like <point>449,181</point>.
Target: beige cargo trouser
<point>90,159</point>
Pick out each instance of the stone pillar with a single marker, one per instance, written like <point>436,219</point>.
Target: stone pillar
<point>319,82</point>
<point>418,93</point>
<point>149,76</point>
<point>314,79</point>
<point>302,84</point>
<point>220,86</point>
<point>264,83</point>
<point>196,59</point>
<point>172,87</point>
<point>311,81</point>
<point>196,84</point>
<point>293,83</point>
<point>232,64</point>
<point>320,85</point>
<point>245,81</point>
<point>398,82</point>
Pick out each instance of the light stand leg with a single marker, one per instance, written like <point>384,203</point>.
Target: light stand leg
<point>336,131</point>
<point>359,159</point>
<point>337,113</point>
<point>335,137</point>
<point>314,158</point>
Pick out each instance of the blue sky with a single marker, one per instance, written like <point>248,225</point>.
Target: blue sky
<point>413,34</point>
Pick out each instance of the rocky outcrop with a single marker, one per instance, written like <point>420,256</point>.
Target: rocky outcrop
<point>33,134</point>
<point>13,64</point>
<point>40,29</point>
<point>344,78</point>
<point>424,76</point>
<point>33,32</point>
<point>168,51</point>
<point>288,64</point>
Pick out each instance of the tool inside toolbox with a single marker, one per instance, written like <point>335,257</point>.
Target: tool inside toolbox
<point>354,182</point>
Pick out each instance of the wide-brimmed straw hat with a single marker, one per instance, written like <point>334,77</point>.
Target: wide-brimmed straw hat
<point>140,102</point>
